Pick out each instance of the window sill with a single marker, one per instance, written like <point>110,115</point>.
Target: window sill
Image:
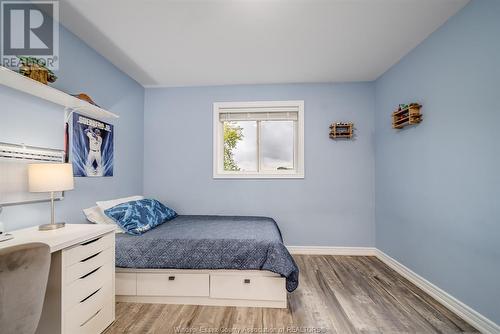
<point>259,176</point>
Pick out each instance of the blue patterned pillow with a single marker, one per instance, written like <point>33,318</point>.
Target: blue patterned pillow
<point>137,217</point>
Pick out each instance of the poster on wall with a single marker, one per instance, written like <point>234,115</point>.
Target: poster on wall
<point>92,147</point>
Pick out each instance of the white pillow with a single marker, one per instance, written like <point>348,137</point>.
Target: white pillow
<point>104,205</point>
<point>97,216</point>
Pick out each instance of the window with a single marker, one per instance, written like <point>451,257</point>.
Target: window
<point>259,139</point>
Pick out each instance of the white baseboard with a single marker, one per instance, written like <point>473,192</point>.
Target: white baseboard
<point>480,322</point>
<point>325,250</point>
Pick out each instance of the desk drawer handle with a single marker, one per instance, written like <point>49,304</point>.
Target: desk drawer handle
<point>89,242</point>
<point>93,271</point>
<point>246,281</point>
<point>92,317</point>
<point>171,278</point>
<point>93,293</point>
<point>90,257</point>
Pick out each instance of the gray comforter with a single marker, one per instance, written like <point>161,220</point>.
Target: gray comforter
<point>210,242</point>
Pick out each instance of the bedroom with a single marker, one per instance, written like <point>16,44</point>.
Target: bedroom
<point>282,227</point>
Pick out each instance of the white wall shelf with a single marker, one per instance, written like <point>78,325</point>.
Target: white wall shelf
<point>24,84</point>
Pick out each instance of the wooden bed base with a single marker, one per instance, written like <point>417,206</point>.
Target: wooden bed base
<point>249,288</point>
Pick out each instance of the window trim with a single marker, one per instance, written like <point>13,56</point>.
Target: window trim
<point>218,144</point>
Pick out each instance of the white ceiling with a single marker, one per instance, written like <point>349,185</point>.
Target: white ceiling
<point>222,42</point>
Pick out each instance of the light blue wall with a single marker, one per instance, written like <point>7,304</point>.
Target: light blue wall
<point>24,119</point>
<point>333,205</point>
<point>438,184</point>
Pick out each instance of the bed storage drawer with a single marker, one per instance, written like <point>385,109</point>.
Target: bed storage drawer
<point>247,287</point>
<point>126,284</point>
<point>173,284</point>
<point>88,249</point>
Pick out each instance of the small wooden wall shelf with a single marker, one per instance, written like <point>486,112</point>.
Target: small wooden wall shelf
<point>408,115</point>
<point>341,130</point>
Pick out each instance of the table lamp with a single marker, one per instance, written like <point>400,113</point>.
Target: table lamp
<point>50,177</point>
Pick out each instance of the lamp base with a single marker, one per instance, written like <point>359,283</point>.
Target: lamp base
<point>48,227</point>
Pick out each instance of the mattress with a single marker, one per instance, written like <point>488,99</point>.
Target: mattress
<point>210,242</point>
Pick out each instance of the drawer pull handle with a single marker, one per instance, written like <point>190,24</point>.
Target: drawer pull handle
<point>90,257</point>
<point>89,242</point>
<point>92,317</point>
<point>246,281</point>
<point>171,278</point>
<point>93,293</point>
<point>93,271</point>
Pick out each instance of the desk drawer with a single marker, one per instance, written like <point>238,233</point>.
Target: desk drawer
<point>88,249</point>
<point>87,265</point>
<point>187,285</point>
<point>85,286</point>
<point>83,312</point>
<point>251,287</point>
<point>96,323</point>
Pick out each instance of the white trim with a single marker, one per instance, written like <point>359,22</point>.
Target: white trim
<point>325,250</point>
<point>479,321</point>
<point>258,176</point>
<point>218,173</point>
<point>208,301</point>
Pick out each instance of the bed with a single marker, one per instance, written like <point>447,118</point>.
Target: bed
<point>207,260</point>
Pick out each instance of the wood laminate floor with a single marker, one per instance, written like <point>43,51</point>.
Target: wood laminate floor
<point>336,294</point>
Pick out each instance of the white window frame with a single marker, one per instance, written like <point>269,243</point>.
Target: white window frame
<point>218,141</point>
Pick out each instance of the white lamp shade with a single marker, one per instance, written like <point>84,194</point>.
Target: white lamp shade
<point>50,177</point>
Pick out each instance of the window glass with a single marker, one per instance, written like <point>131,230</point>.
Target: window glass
<point>277,145</point>
<point>240,146</point>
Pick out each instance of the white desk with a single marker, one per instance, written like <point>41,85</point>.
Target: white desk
<point>80,294</point>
